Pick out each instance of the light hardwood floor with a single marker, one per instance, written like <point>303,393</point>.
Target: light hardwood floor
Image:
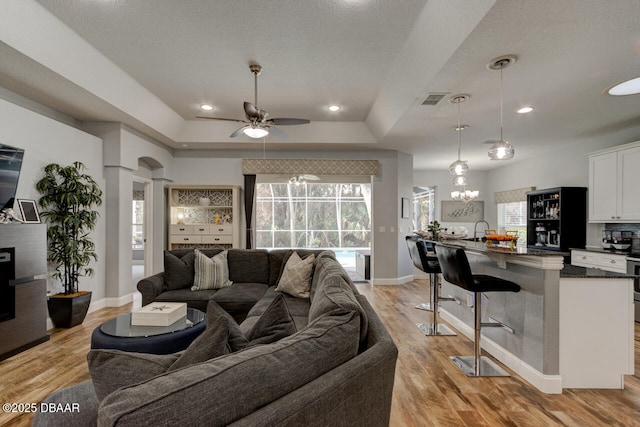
<point>429,390</point>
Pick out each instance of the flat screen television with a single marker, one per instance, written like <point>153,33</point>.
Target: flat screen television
<point>10,165</point>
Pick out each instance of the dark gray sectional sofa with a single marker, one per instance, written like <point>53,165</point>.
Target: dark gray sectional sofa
<point>336,370</point>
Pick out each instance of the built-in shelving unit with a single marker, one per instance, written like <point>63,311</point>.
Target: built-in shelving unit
<point>556,218</point>
<point>204,217</point>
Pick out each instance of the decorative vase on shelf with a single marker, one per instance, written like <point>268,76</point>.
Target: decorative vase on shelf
<point>204,201</point>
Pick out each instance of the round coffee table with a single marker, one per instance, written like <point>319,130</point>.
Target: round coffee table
<point>119,334</point>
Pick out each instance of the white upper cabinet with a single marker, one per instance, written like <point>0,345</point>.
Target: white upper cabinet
<point>614,184</point>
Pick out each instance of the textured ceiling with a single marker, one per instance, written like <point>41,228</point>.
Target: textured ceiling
<point>149,64</point>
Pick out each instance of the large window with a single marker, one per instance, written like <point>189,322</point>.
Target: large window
<point>423,207</point>
<point>512,216</point>
<point>313,215</point>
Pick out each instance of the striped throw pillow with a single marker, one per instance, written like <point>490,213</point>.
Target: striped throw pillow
<point>210,273</point>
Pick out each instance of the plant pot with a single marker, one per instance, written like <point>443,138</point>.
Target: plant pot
<point>67,311</point>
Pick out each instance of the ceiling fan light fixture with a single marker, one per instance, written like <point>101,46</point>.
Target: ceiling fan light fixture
<point>255,132</point>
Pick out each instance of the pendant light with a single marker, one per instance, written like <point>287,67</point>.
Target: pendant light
<point>501,149</point>
<point>459,167</point>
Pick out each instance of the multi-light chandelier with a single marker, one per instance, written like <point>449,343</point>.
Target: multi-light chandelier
<point>501,149</point>
<point>459,168</point>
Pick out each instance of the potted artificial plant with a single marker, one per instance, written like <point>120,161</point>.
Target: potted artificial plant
<point>68,196</point>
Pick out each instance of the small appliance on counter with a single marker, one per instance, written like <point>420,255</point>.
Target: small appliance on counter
<point>618,240</point>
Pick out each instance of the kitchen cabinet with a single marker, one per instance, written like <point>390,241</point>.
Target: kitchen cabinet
<point>557,218</point>
<point>614,193</point>
<point>610,262</point>
<point>204,217</point>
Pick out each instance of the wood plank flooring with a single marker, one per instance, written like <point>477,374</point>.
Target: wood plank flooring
<point>429,390</point>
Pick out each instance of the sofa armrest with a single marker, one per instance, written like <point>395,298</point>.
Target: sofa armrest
<point>80,403</point>
<point>150,287</point>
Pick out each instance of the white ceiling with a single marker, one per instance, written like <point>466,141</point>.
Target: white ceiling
<point>149,64</point>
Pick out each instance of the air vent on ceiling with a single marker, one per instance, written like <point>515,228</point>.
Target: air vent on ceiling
<point>434,98</point>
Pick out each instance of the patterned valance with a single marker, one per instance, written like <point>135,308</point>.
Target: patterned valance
<point>508,196</point>
<point>309,166</point>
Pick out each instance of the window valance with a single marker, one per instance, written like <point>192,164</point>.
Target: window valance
<point>309,166</point>
<point>516,195</point>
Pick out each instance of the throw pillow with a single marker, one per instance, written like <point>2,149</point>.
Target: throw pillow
<point>237,340</point>
<point>210,273</point>
<point>211,343</point>
<point>274,324</point>
<point>296,277</point>
<point>178,271</point>
<point>112,369</point>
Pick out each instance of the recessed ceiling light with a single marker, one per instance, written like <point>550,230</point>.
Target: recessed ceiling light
<point>630,87</point>
<point>333,108</point>
<point>525,110</point>
<point>206,107</point>
<point>184,145</point>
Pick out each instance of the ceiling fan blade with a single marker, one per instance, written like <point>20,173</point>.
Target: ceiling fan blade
<point>251,111</point>
<point>288,122</point>
<point>220,118</point>
<point>238,131</point>
<point>277,132</point>
<point>309,177</point>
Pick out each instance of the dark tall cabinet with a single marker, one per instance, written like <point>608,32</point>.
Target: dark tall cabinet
<point>557,218</point>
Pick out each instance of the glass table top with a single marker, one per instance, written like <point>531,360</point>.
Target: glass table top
<point>121,325</point>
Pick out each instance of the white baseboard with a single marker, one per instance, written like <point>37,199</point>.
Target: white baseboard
<point>393,281</point>
<point>550,384</point>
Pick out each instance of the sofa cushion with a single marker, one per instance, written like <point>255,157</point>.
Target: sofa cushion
<point>334,293</point>
<point>213,342</point>
<point>225,389</point>
<point>210,273</point>
<point>296,276</point>
<point>248,265</point>
<point>178,271</point>
<point>240,297</point>
<point>112,369</point>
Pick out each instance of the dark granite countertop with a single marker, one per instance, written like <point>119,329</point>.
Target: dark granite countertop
<point>483,248</point>
<point>574,272</point>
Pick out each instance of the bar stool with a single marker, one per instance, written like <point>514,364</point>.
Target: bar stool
<point>418,250</point>
<point>456,270</point>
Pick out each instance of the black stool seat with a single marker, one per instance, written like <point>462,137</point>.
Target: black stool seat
<point>456,270</point>
<point>419,251</point>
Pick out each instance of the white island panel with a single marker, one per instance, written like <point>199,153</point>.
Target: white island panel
<point>596,332</point>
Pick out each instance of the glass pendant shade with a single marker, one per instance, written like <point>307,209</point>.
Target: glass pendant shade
<point>255,132</point>
<point>460,181</point>
<point>459,167</point>
<point>501,150</point>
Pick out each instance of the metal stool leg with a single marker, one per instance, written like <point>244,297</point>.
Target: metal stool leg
<point>478,365</point>
<point>435,328</point>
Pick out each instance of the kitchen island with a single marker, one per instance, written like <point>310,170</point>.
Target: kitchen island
<point>573,326</point>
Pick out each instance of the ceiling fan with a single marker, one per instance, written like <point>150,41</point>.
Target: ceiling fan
<point>258,124</point>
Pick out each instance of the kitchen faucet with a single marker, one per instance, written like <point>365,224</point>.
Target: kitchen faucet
<point>475,226</point>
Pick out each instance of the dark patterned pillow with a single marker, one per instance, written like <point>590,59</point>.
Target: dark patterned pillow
<point>178,272</point>
<point>274,324</point>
